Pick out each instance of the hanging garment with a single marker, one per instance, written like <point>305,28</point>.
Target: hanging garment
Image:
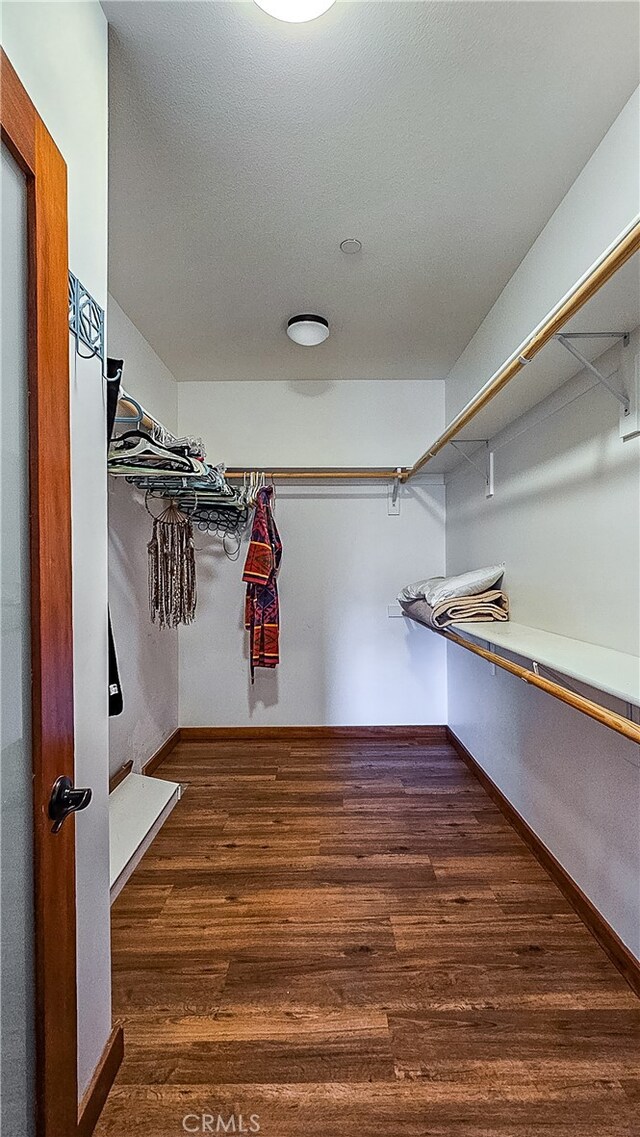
<point>114,375</point>
<point>172,569</point>
<point>262,608</point>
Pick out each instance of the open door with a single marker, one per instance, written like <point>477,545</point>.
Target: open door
<point>38,1026</point>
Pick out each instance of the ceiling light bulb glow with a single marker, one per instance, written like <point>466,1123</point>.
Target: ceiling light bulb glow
<point>308,331</point>
<point>295,11</point>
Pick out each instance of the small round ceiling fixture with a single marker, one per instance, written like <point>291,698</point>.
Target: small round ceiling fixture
<point>308,330</point>
<point>351,245</point>
<point>295,11</point>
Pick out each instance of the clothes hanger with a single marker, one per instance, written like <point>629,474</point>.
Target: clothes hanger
<point>149,456</point>
<point>146,465</point>
<point>125,420</point>
<point>139,433</point>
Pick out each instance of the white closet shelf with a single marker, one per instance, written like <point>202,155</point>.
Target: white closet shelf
<point>138,808</point>
<point>614,672</point>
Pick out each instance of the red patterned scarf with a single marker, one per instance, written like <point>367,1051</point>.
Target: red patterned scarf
<point>262,608</point>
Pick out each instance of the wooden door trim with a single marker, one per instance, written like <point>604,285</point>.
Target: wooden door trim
<point>104,1076</point>
<point>27,138</point>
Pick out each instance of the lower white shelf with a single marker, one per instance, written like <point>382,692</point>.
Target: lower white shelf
<point>615,672</point>
<point>138,808</point>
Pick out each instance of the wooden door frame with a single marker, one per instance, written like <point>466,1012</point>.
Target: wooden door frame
<point>33,148</point>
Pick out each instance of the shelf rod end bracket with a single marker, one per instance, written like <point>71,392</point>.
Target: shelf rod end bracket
<point>486,470</point>
<point>393,499</point>
<point>564,339</point>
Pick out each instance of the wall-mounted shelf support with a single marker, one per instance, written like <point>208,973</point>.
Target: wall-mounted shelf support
<point>86,320</point>
<point>624,336</point>
<point>565,338</point>
<point>393,507</point>
<point>486,469</point>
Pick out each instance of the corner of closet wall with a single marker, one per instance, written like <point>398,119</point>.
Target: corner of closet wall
<point>565,519</point>
<point>347,659</point>
<point>147,655</point>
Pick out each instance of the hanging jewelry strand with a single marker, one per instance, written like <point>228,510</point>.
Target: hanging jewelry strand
<point>172,569</point>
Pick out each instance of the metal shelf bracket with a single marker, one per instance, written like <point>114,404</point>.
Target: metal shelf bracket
<point>86,320</point>
<point>394,494</point>
<point>564,338</point>
<point>486,469</point>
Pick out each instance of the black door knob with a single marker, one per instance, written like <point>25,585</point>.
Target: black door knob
<point>65,800</point>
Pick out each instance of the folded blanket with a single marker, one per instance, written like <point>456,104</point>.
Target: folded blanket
<point>481,609</point>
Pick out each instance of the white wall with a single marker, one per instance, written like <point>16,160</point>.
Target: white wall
<point>601,203</point>
<point>356,422</point>
<point>344,661</point>
<point>575,782</point>
<point>145,375</point>
<point>60,53</point>
<point>565,518</point>
<point>147,655</point>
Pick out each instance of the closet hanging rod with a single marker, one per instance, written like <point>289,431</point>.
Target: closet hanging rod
<point>308,474</point>
<point>599,275</point>
<point>593,710</point>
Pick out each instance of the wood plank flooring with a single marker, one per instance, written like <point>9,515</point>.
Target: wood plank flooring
<point>347,938</point>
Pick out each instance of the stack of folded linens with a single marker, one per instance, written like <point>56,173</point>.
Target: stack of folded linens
<point>441,601</point>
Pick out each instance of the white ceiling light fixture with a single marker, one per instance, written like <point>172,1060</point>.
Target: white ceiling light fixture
<point>351,245</point>
<point>295,11</point>
<point>308,330</point>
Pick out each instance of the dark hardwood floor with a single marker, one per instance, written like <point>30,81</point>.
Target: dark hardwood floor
<point>347,938</point>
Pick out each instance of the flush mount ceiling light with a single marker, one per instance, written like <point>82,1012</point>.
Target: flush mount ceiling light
<point>295,11</point>
<point>308,330</point>
<point>351,245</point>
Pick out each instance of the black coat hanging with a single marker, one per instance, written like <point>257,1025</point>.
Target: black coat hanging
<point>114,376</point>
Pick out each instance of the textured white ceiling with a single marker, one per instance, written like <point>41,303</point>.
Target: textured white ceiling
<point>243,150</point>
